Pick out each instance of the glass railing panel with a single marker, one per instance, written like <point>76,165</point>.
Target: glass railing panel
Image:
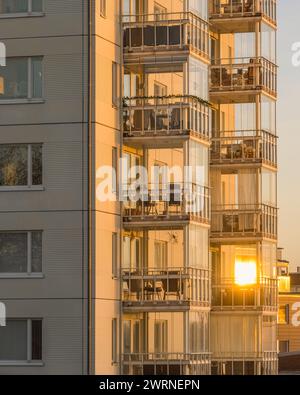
<point>172,31</point>
<point>244,146</point>
<point>166,286</point>
<point>244,8</point>
<point>243,74</point>
<point>227,294</point>
<point>247,219</point>
<point>175,201</point>
<point>174,115</point>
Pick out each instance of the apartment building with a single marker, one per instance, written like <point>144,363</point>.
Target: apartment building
<point>181,280</point>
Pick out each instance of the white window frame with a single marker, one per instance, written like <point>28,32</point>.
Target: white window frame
<point>29,98</point>
<point>29,273</point>
<point>29,360</point>
<point>29,186</point>
<point>30,13</point>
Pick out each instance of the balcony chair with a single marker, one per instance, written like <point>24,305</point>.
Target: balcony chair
<point>172,286</point>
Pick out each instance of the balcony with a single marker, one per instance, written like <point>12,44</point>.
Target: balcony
<point>244,147</point>
<point>165,289</point>
<point>162,207</point>
<point>230,296</point>
<point>164,122</point>
<point>166,363</point>
<point>165,34</point>
<point>241,221</point>
<point>240,78</point>
<point>245,363</point>
<point>242,11</point>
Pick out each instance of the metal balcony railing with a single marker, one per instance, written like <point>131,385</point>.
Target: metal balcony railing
<point>245,356</point>
<point>246,146</point>
<point>243,74</point>
<point>165,116</point>
<point>244,220</point>
<point>166,286</point>
<point>167,363</point>
<point>262,296</point>
<point>244,8</point>
<point>174,202</point>
<point>165,32</point>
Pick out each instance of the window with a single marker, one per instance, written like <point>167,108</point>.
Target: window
<point>22,78</point>
<point>21,341</point>
<point>160,337</point>
<point>284,346</point>
<point>132,252</point>
<point>21,6</point>
<point>114,245</point>
<point>114,340</point>
<point>283,314</point>
<point>115,160</point>
<point>21,252</point>
<point>103,8</point>
<point>21,165</point>
<point>160,254</point>
<point>159,11</point>
<point>115,84</point>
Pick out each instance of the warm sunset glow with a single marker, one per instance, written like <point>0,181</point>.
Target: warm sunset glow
<point>245,271</point>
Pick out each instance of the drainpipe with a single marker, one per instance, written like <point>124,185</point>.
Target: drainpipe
<point>90,196</point>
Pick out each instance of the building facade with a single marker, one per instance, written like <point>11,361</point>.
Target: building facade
<point>178,274</point>
<point>289,311</point>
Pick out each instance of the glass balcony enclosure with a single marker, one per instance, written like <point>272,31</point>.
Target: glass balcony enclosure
<point>177,116</point>
<point>244,276</point>
<point>244,202</point>
<point>244,343</point>
<point>244,8</point>
<point>166,343</point>
<point>244,74</point>
<point>165,269</point>
<point>169,32</point>
<point>244,133</point>
<point>246,146</point>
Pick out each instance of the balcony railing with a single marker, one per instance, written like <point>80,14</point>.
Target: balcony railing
<point>166,116</point>
<point>157,204</point>
<point>244,8</point>
<point>246,146</point>
<point>262,296</point>
<point>245,363</point>
<point>153,288</point>
<point>244,220</point>
<point>244,74</point>
<point>165,32</point>
<point>166,363</point>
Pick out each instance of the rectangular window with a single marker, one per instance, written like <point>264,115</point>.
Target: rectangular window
<point>114,252</point>
<point>160,254</point>
<point>21,252</point>
<point>160,337</point>
<point>283,314</point>
<point>21,341</point>
<point>115,162</point>
<point>284,346</point>
<point>114,340</point>
<point>103,8</point>
<point>21,6</point>
<point>21,165</point>
<point>22,78</point>
<point>115,84</point>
